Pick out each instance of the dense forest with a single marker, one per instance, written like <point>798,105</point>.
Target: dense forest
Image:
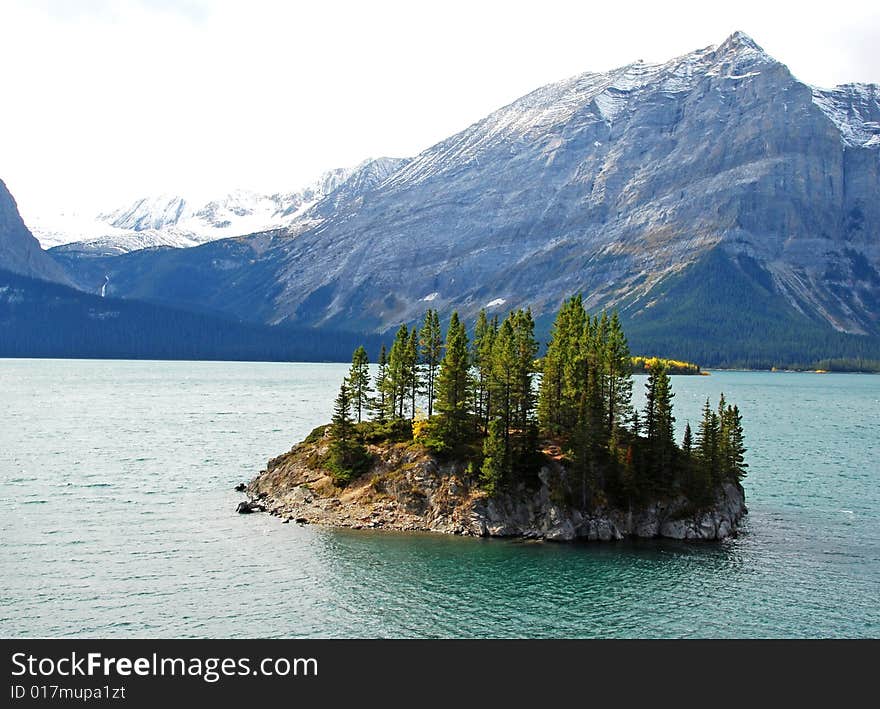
<point>42,319</point>
<point>725,313</point>
<point>490,402</point>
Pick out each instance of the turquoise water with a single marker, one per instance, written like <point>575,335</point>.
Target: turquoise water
<point>117,519</point>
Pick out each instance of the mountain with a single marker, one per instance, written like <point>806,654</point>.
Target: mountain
<point>178,221</point>
<point>42,319</point>
<point>20,252</point>
<point>631,186</point>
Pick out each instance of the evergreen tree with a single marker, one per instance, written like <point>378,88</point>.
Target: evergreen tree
<point>495,458</point>
<point>618,375</point>
<point>359,382</point>
<point>348,458</point>
<point>481,359</point>
<point>581,453</point>
<point>734,448</point>
<point>659,426</point>
<point>397,380</point>
<point>526,348</point>
<point>723,437</point>
<point>550,392</point>
<point>341,423</point>
<point>503,380</point>
<point>454,386</point>
<point>574,354</point>
<point>590,443</point>
<point>413,371</point>
<point>431,344</point>
<point>563,371</point>
<point>708,434</point>
<point>380,402</point>
<point>688,464</point>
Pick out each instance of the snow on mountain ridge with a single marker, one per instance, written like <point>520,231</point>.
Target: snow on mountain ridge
<point>855,110</point>
<point>598,96</point>
<point>545,115</point>
<point>178,221</point>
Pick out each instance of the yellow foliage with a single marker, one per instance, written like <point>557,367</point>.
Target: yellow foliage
<point>673,366</point>
<point>420,425</point>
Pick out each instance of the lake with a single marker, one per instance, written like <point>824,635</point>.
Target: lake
<point>117,520</point>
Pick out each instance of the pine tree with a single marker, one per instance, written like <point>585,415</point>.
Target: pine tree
<point>454,386</point>
<point>563,371</point>
<point>341,423</point>
<point>735,465</point>
<point>359,382</point>
<point>397,380</point>
<point>574,353</point>
<point>659,427</point>
<point>413,371</point>
<point>348,458</point>
<point>481,359</point>
<point>380,401</point>
<point>618,375</point>
<point>431,344</point>
<point>723,437</point>
<point>503,380</point>
<point>687,443</point>
<point>707,452</point>
<point>495,458</point>
<point>589,440</point>
<point>550,392</point>
<point>526,350</point>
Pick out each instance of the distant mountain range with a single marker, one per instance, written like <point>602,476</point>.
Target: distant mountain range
<point>730,212</point>
<point>178,221</point>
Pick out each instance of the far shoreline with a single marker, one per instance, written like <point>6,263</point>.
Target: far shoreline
<point>704,371</point>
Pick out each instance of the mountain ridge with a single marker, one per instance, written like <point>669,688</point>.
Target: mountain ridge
<point>607,184</point>
<point>178,221</point>
<point>20,252</point>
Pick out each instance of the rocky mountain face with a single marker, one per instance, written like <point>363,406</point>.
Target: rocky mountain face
<point>178,221</point>
<point>20,252</point>
<point>609,183</point>
<point>621,185</point>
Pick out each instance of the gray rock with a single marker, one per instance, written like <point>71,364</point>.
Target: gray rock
<point>562,531</point>
<point>646,168</point>
<point>20,252</point>
<point>674,529</point>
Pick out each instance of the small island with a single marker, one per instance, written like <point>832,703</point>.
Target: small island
<point>507,445</point>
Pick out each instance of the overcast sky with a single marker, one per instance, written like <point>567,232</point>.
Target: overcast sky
<point>105,100</point>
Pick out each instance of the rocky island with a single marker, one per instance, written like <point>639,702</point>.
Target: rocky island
<point>494,455</point>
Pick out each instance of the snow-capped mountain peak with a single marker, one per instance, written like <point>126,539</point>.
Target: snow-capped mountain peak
<point>181,221</point>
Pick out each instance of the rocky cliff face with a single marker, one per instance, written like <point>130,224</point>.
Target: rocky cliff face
<point>20,252</point>
<point>610,184</point>
<point>408,489</point>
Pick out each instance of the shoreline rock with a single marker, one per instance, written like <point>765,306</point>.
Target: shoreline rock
<point>408,489</point>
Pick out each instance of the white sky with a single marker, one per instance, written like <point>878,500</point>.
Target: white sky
<point>106,100</point>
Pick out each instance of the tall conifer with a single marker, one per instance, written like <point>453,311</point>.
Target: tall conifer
<point>359,382</point>
<point>380,402</point>
<point>454,386</point>
<point>431,346</point>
